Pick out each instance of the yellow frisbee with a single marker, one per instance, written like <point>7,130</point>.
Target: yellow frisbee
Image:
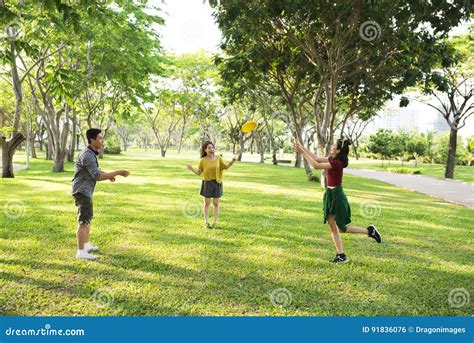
<point>249,126</point>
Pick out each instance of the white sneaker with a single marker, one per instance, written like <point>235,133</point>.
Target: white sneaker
<point>84,254</point>
<point>89,247</point>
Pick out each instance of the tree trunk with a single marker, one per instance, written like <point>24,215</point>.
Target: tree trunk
<point>58,165</point>
<point>102,150</point>
<point>274,157</point>
<point>8,150</point>
<point>72,148</point>
<point>70,153</point>
<point>355,151</point>
<point>41,137</point>
<point>48,151</point>
<point>124,144</point>
<point>60,150</point>
<point>270,135</point>
<point>163,152</point>
<point>181,138</point>
<point>242,146</point>
<point>32,145</point>
<point>273,149</point>
<point>323,147</point>
<point>298,160</point>
<point>57,134</point>
<point>27,151</point>
<point>260,146</point>
<point>9,147</point>
<point>453,136</point>
<point>58,142</point>
<point>307,169</point>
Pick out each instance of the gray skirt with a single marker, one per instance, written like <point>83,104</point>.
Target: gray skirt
<point>211,189</point>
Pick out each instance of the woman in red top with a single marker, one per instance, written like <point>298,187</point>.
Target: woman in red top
<point>337,211</point>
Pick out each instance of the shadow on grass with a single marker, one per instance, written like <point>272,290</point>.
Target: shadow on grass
<point>156,260</point>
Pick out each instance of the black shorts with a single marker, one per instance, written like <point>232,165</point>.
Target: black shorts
<point>85,208</point>
<point>211,189</point>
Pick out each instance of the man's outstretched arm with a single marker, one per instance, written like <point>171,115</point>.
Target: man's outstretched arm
<point>110,176</point>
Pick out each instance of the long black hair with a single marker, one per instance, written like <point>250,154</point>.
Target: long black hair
<point>204,147</point>
<point>343,155</point>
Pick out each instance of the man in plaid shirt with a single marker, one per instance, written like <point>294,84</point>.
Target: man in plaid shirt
<point>86,175</point>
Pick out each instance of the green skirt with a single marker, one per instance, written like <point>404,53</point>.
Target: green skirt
<point>335,203</point>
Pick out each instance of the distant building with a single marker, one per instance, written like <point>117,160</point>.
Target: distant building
<point>397,119</point>
<point>440,124</point>
<point>416,116</point>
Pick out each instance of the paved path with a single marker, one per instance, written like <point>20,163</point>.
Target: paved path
<point>453,191</point>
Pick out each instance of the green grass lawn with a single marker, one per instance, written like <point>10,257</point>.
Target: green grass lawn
<point>461,173</point>
<point>157,259</point>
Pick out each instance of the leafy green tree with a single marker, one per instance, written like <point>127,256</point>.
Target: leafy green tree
<point>196,78</point>
<point>236,116</point>
<point>16,18</point>
<point>165,117</point>
<point>342,62</point>
<point>103,64</point>
<point>440,148</point>
<point>382,143</point>
<point>417,146</point>
<point>355,126</point>
<point>452,86</point>
<point>398,146</point>
<point>264,67</point>
<point>468,156</point>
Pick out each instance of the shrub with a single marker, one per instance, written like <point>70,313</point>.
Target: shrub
<point>405,170</point>
<point>112,148</point>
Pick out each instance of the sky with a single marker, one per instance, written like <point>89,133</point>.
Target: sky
<point>189,26</point>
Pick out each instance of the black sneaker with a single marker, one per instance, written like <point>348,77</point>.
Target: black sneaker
<point>374,233</point>
<point>340,258</point>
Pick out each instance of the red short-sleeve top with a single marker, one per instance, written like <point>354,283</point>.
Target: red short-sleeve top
<point>334,175</point>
